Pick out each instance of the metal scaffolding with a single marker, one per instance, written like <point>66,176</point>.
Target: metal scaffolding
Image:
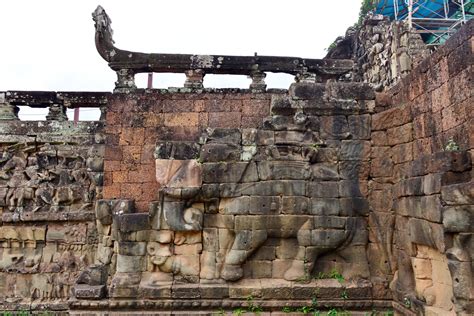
<point>435,20</point>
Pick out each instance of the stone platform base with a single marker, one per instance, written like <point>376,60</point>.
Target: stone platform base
<point>266,296</point>
<point>263,295</point>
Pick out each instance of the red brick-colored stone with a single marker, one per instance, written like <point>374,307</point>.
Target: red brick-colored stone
<point>225,119</point>
<point>113,153</point>
<point>392,117</point>
<point>423,125</point>
<point>112,191</point>
<point>400,134</point>
<point>119,176</point>
<point>379,138</point>
<point>153,119</point>
<point>453,116</point>
<point>402,153</point>
<point>111,165</point>
<point>251,122</point>
<point>132,154</point>
<point>132,136</point>
<point>224,105</point>
<point>256,107</point>
<point>421,147</point>
<point>178,106</point>
<point>181,119</point>
<point>130,191</point>
<point>440,98</point>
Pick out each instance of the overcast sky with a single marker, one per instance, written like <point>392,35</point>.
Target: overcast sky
<point>49,44</point>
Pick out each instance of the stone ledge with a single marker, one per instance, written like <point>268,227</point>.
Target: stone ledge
<point>215,305</point>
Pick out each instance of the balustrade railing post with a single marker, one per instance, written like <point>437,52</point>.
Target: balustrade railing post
<point>57,112</point>
<point>258,81</point>
<point>8,111</point>
<point>125,81</point>
<point>194,79</point>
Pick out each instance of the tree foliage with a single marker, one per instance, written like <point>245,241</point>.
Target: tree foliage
<point>366,6</point>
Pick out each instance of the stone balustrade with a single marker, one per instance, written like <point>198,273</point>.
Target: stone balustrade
<point>56,102</point>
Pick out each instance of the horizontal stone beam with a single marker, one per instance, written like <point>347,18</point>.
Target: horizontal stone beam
<point>43,99</point>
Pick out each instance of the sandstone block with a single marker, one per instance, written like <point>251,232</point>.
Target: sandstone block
<point>325,171</point>
<point>355,150</point>
<point>458,219</point>
<point>295,205</point>
<point>264,205</point>
<point>283,170</point>
<point>130,263</point>
<point>234,172</point>
<point>91,292</point>
<point>462,193</point>
<point>132,248</point>
<point>232,206</point>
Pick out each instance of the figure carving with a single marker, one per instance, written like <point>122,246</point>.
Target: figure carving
<point>45,180</point>
<point>267,192</point>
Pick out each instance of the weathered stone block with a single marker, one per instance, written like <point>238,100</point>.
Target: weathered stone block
<point>281,105</point>
<point>219,221</point>
<point>216,152</point>
<point>264,205</point>
<point>89,292</point>
<point>327,238</point>
<point>329,222</point>
<point>94,275</point>
<point>326,206</point>
<point>133,222</point>
<point>325,171</point>
<point>462,193</point>
<point>426,233</point>
<point>351,188</point>
<point>224,135</point>
<point>307,90</point>
<point>283,170</point>
<point>381,167</point>
<point>458,219</point>
<point>130,263</point>
<point>359,126</point>
<point>295,205</point>
<point>234,172</point>
<point>432,183</point>
<point>232,206</point>
<point>326,189</point>
<point>187,291</point>
<point>354,169</point>
<point>282,187</point>
<point>177,150</point>
<point>258,269</point>
<point>103,211</point>
<point>128,248</point>
<point>95,164</point>
<point>334,127</point>
<point>355,150</point>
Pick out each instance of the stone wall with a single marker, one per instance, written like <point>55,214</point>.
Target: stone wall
<point>384,50</point>
<point>50,178</point>
<point>421,190</point>
<point>221,195</point>
<point>326,196</point>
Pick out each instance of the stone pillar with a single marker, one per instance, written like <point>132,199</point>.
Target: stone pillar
<point>194,79</point>
<point>57,112</point>
<point>7,110</point>
<point>125,81</point>
<point>258,81</point>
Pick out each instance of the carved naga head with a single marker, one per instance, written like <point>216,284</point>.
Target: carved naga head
<point>103,32</point>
